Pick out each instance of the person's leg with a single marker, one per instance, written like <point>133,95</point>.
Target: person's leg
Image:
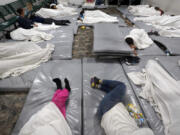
<point>48,21</point>
<point>111,99</point>
<point>108,85</point>
<point>61,22</point>
<point>60,100</point>
<point>67,85</point>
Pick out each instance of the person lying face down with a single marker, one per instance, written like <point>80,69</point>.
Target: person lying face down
<point>138,39</point>
<point>113,115</point>
<point>130,42</point>
<point>51,119</point>
<point>29,22</point>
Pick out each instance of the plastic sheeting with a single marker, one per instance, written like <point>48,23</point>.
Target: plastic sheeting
<point>92,97</point>
<point>43,89</point>
<point>171,43</point>
<point>108,38</point>
<point>63,41</point>
<point>170,64</point>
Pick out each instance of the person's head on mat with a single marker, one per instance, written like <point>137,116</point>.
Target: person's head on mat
<point>53,6</point>
<point>130,42</point>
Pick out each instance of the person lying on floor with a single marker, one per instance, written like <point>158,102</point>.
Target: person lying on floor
<point>138,39</point>
<point>29,22</point>
<point>51,119</point>
<point>115,119</point>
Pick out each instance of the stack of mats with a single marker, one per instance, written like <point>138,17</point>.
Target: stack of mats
<point>109,41</point>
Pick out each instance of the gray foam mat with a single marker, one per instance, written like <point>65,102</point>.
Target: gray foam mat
<point>173,44</point>
<point>105,70</point>
<point>19,83</point>
<point>171,65</point>
<point>107,38</point>
<point>63,41</point>
<point>140,24</point>
<point>43,89</point>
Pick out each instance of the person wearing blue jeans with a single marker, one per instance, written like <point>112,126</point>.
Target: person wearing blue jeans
<point>115,93</point>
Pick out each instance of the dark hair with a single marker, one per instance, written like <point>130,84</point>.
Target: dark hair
<point>129,41</point>
<point>158,9</point>
<point>20,10</point>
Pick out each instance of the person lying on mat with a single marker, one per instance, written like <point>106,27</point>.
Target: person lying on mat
<point>130,42</point>
<point>114,117</point>
<point>51,119</point>
<point>29,22</point>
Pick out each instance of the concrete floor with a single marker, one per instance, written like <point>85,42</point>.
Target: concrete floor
<point>11,103</point>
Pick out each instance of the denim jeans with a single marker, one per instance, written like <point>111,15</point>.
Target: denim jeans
<point>115,93</point>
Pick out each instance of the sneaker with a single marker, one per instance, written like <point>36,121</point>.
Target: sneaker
<point>95,82</point>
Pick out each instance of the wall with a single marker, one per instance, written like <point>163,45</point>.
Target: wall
<point>171,6</point>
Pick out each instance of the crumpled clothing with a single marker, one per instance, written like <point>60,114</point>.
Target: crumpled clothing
<point>143,10</point>
<point>117,120</point>
<point>30,35</point>
<point>44,27</point>
<point>19,57</point>
<point>140,37</point>
<point>163,93</point>
<point>98,16</point>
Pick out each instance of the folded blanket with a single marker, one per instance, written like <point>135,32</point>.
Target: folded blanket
<point>30,34</point>
<point>19,57</point>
